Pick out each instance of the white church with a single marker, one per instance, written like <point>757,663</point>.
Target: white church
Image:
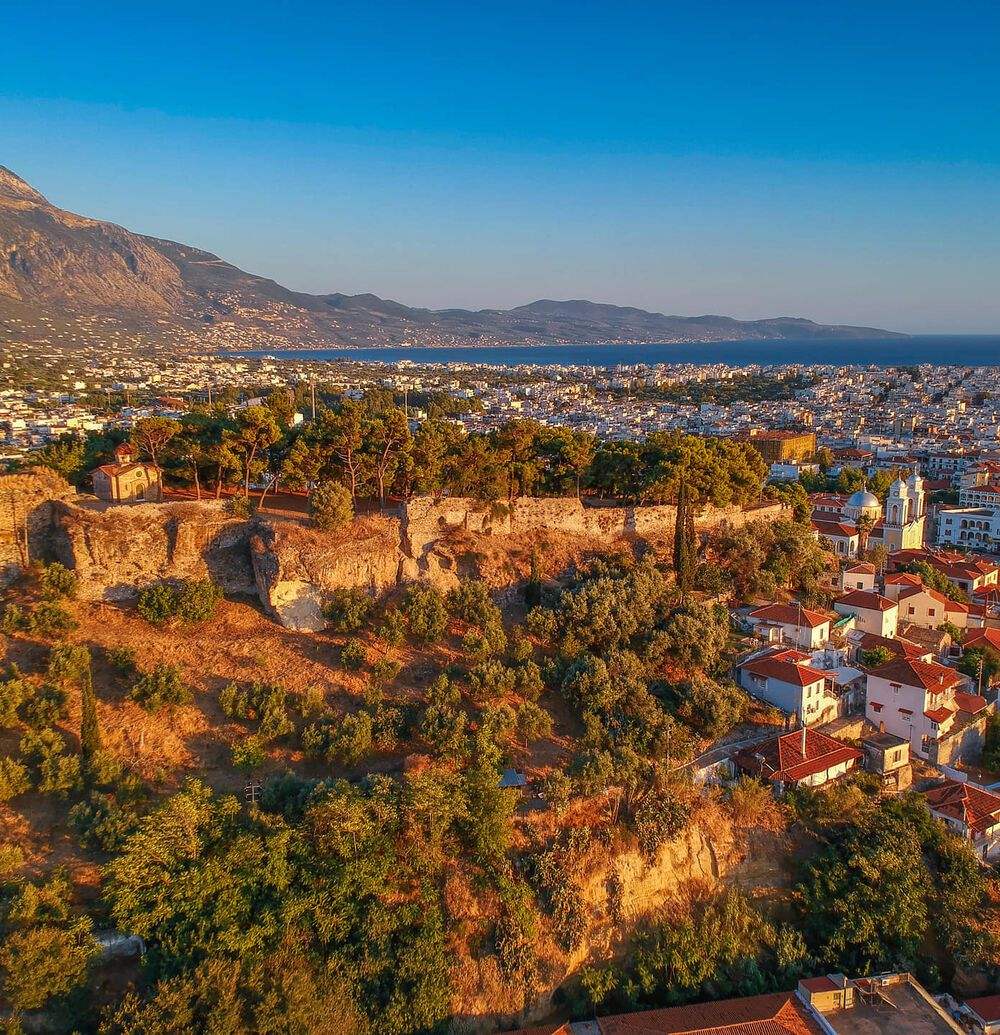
<point>897,526</point>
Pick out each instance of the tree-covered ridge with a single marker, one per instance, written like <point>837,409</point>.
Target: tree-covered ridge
<point>369,448</point>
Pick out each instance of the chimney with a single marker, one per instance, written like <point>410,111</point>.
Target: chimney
<point>881,726</point>
<point>803,740</point>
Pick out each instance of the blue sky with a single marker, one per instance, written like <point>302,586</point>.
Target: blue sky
<point>833,160</point>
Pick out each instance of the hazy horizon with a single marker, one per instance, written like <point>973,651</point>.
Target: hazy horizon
<point>838,165</point>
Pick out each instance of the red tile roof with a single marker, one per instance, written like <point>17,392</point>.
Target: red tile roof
<point>834,529</point>
<point>982,638</point>
<point>783,759</point>
<point>971,703</point>
<point>978,809</point>
<point>903,578</point>
<point>937,715</point>
<point>910,672</point>
<point>986,1008</point>
<point>865,601</point>
<point>900,648</point>
<point>864,568</point>
<point>778,1014</point>
<point>786,666</point>
<point>819,984</point>
<point>790,614</point>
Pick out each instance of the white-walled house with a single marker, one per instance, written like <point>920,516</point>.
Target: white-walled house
<point>858,576</point>
<point>919,701</point>
<point>798,625</point>
<point>971,812</point>
<point>784,678</point>
<point>929,608</point>
<point>872,612</point>
<point>802,758</point>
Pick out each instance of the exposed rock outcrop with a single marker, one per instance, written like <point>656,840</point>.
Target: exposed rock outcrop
<point>295,567</point>
<point>620,893</point>
<point>118,550</point>
<point>27,518</point>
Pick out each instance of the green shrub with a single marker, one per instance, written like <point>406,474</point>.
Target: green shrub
<point>558,789</point>
<point>41,963</point>
<point>331,506</point>
<point>288,795</point>
<point>392,628</point>
<point>388,727</point>
<point>11,856</point>
<point>263,701</point>
<point>659,818</point>
<point>102,769</point>
<point>50,618</point>
<point>385,670</point>
<point>490,680</point>
<point>424,609</point>
<point>102,823</point>
<point>163,687</point>
<point>56,772</point>
<point>46,707</point>
<point>123,660</point>
<point>197,601</point>
<point>14,692</point>
<point>312,701</point>
<point>248,754</point>
<point>353,655</point>
<point>193,602</point>
<point>528,680</point>
<point>58,581</point>
<point>347,740</point>
<point>471,601</point>
<point>13,779</point>
<point>157,604</point>
<point>15,618</point>
<point>347,610</point>
<point>240,507</point>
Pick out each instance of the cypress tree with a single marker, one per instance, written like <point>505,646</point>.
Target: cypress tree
<point>90,732</point>
<point>684,543</point>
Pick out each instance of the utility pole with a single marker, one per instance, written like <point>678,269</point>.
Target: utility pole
<point>312,386</point>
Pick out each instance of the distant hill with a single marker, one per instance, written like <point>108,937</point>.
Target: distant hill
<point>57,262</point>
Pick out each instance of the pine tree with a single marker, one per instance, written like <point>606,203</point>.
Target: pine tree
<point>90,732</point>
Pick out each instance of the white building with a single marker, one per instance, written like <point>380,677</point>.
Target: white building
<point>785,679</point>
<point>872,612</point>
<point>792,624</point>
<point>918,701</point>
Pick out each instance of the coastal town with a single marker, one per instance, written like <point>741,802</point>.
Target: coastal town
<point>874,665</point>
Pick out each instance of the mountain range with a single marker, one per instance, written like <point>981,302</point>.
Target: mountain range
<point>59,263</point>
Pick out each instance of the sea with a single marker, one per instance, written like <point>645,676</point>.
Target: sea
<point>945,350</point>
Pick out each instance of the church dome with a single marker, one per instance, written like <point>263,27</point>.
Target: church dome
<point>862,500</point>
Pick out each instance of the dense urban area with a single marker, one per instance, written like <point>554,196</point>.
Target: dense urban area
<point>359,697</point>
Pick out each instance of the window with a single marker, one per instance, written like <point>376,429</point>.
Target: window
<point>930,612</point>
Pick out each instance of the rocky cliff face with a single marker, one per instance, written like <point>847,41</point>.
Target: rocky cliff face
<point>295,568</point>
<point>116,551</point>
<point>621,892</point>
<point>27,518</point>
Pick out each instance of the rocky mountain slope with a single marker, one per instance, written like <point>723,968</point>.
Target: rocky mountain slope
<point>59,262</point>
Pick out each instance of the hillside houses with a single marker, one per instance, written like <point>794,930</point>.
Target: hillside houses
<point>872,612</point>
<point>925,703</point>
